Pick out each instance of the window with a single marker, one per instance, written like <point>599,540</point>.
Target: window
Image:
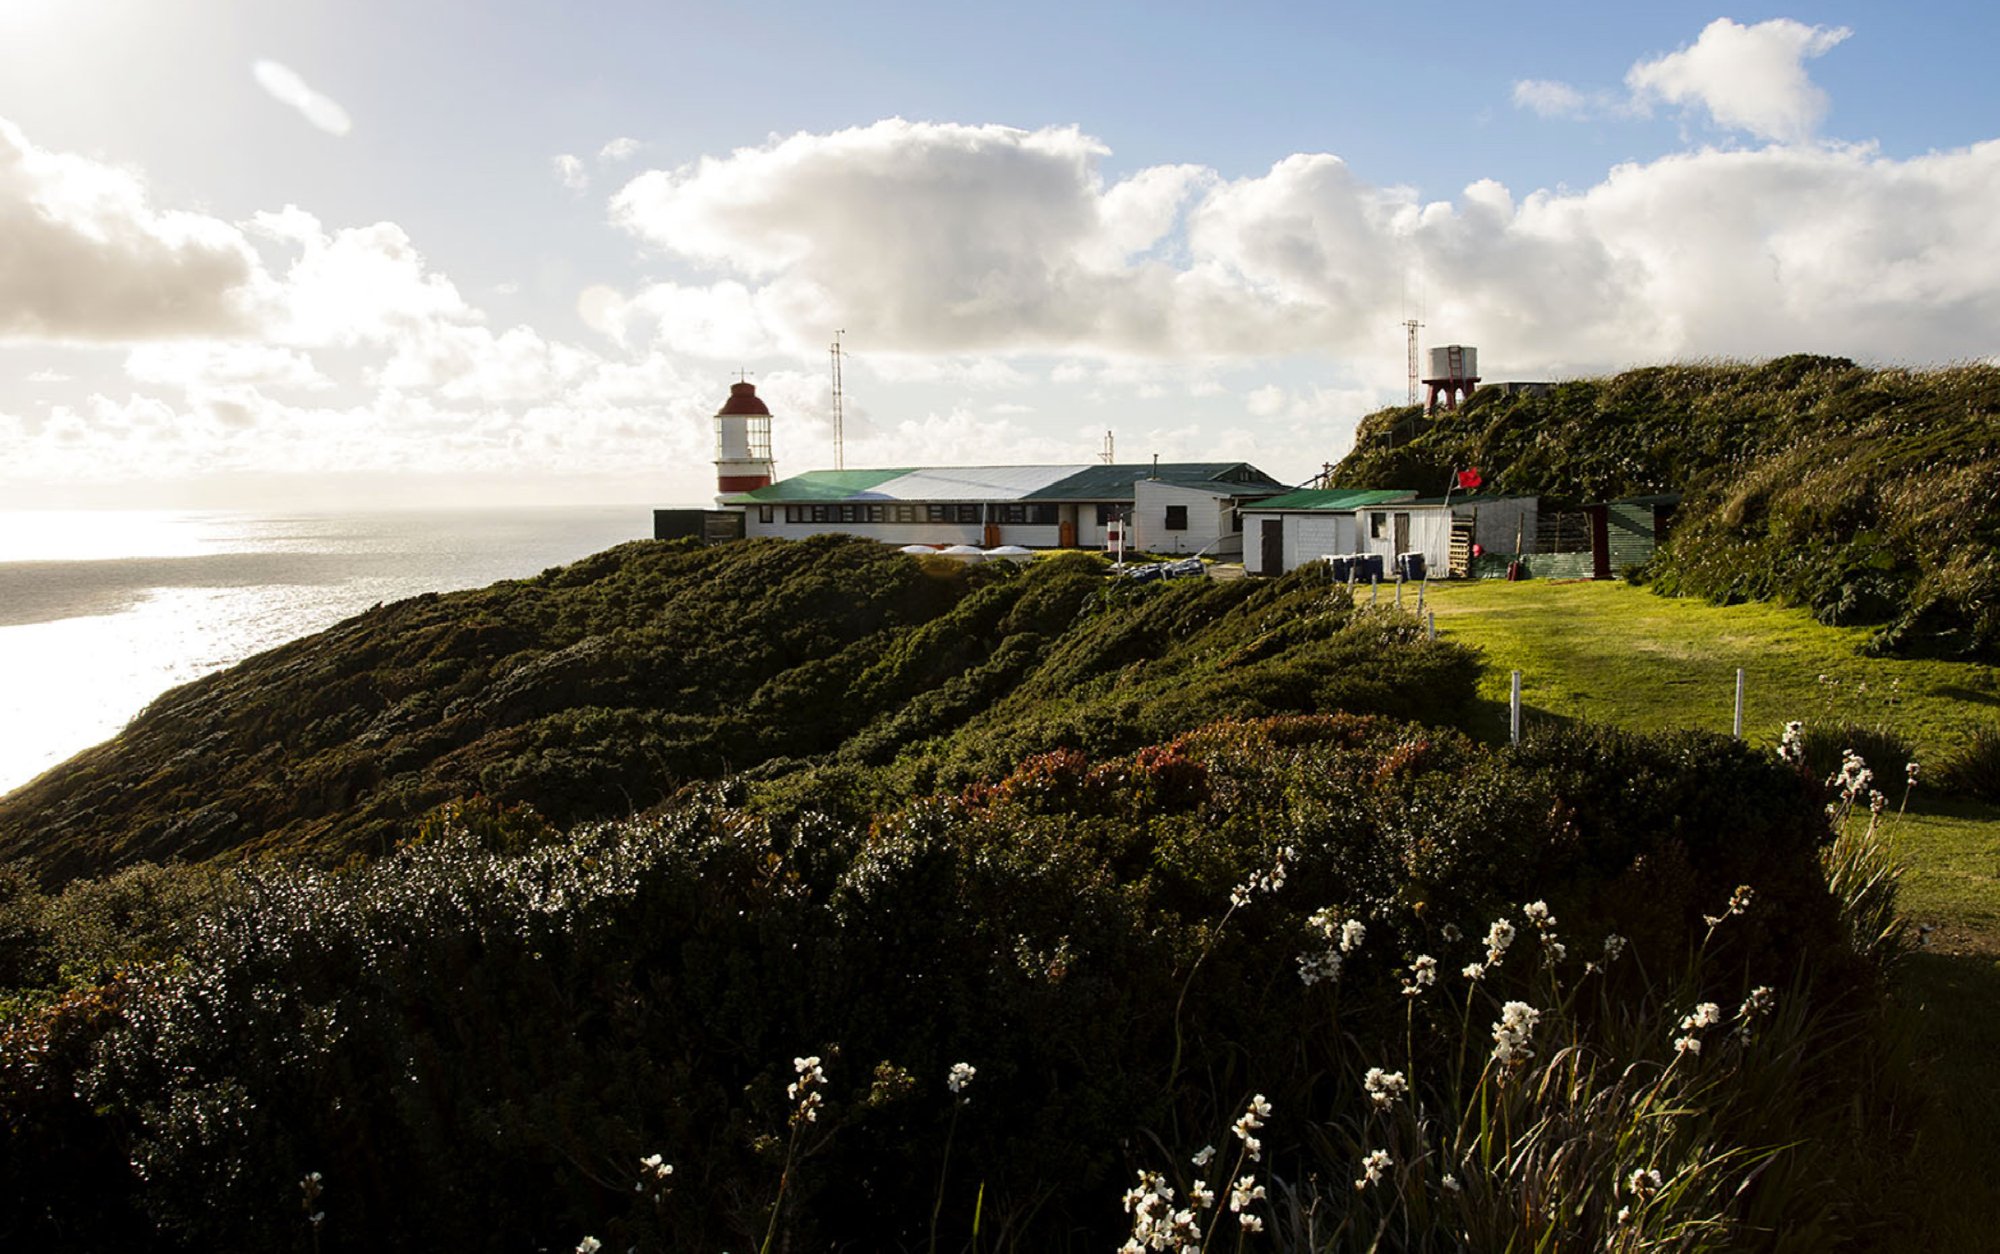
<point>968,513</point>
<point>877,513</point>
<point>764,514</point>
<point>907,514</point>
<point>1176,518</point>
<point>1235,521</point>
<point>1105,513</point>
<point>1378,525</point>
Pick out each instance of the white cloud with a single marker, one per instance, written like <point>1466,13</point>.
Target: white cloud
<point>986,242</point>
<point>618,149</point>
<point>1748,78</point>
<point>569,170</point>
<point>48,376</point>
<point>84,255</point>
<point>1549,98</point>
<point>286,87</point>
<point>217,364</point>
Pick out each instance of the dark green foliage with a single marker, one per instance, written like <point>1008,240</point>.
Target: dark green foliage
<point>1974,769</point>
<point>1868,496</point>
<point>476,1047</point>
<point>1826,743</point>
<point>602,688</point>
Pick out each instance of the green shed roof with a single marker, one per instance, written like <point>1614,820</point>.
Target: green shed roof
<point>1333,499</point>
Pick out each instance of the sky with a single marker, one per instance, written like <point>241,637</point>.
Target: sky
<point>343,255</point>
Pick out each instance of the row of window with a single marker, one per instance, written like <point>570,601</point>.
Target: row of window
<point>1029,515</point>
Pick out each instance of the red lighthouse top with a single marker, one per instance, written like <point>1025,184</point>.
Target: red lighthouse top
<point>743,400</point>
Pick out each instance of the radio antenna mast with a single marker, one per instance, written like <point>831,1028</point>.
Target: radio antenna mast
<point>839,433</point>
<point>1106,456</point>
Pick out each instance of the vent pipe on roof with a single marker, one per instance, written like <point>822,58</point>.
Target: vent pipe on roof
<point>1156,465</point>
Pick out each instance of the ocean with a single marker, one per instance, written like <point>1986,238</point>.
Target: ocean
<point>101,611</point>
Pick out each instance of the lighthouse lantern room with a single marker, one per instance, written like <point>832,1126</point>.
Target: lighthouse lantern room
<point>742,442</point>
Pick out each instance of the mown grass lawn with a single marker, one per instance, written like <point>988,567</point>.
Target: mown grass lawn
<point>1612,653</point>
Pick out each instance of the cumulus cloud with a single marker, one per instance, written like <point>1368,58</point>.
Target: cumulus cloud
<point>84,255</point>
<point>931,238</point>
<point>286,87</point>
<point>618,149</point>
<point>1748,78</point>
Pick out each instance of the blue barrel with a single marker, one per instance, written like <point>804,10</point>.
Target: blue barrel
<point>1371,566</point>
<point>1339,567</point>
<point>1411,566</point>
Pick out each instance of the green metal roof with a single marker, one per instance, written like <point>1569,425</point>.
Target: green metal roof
<point>819,485</point>
<point>1333,499</point>
<point>1114,483</point>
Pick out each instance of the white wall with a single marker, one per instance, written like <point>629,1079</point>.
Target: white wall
<point>1208,518</point>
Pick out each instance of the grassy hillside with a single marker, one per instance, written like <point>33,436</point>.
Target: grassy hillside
<point>601,688</point>
<point>1870,497</point>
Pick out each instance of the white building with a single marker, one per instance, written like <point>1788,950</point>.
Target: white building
<point>1285,532</point>
<point>1177,507</point>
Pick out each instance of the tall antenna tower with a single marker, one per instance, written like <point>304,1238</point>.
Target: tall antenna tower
<point>839,423</point>
<point>1411,325</point>
<point>1106,456</point>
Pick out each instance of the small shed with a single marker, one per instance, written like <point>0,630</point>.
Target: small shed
<point>1285,532</point>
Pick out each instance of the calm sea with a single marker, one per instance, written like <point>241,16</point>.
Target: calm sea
<point>102,611</point>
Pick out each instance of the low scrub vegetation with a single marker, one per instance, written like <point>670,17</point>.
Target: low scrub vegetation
<point>1337,982</point>
<point>602,688</point>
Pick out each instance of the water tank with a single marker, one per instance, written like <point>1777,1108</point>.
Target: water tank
<point>1454,362</point>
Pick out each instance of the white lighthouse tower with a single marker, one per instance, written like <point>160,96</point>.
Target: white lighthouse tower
<point>742,442</point>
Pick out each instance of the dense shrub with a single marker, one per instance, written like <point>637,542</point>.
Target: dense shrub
<point>602,688</point>
<point>476,1040</point>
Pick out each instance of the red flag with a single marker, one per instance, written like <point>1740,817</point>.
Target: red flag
<point>1470,478</point>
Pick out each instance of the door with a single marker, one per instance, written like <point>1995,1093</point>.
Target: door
<point>1274,547</point>
<point>1402,534</point>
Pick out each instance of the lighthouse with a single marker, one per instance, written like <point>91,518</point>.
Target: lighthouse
<point>742,442</point>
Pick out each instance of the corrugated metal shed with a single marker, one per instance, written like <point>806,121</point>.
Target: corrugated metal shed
<point>1332,499</point>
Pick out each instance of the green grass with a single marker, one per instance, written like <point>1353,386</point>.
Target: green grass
<point>1612,653</point>
<point>1609,652</point>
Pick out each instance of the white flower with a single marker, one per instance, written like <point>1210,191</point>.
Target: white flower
<point>1372,1167</point>
<point>1624,1214</point>
<point>1498,937</point>
<point>1450,1183</point>
<point>1384,1087</point>
<point>589,1245</point>
<point>1706,1015</point>
<point>1201,1195</point>
<point>1202,1159</point>
<point>657,1166</point>
<point>1792,746</point>
<point>1245,1191</point>
<point>1251,1223</point>
<point>1423,974</point>
<point>1687,1045</point>
<point>1352,933</point>
<point>1538,914</point>
<point>1554,951</point>
<point>1910,775</point>
<point>961,1075</point>
<point>1643,1182</point>
<point>1473,971</point>
<point>1510,1034</point>
<point>1614,945</point>
<point>1452,935</point>
<point>1246,1127</point>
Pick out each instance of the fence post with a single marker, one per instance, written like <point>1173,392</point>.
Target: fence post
<point>1739,703</point>
<point>1431,623</point>
<point>1399,593</point>
<point>1514,711</point>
